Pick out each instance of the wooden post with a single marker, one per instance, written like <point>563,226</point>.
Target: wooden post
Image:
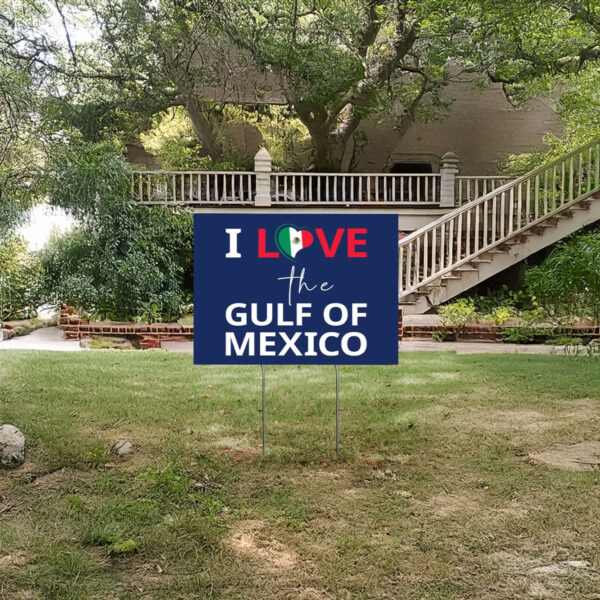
<point>449,170</point>
<point>262,168</point>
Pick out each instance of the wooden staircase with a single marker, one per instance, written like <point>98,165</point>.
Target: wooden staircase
<point>487,235</point>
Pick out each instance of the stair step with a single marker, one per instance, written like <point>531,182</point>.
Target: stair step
<point>537,230</point>
<point>435,286</point>
<point>477,261</point>
<point>466,269</point>
<point>583,205</point>
<point>497,251</point>
<point>406,302</point>
<point>565,214</point>
<point>447,277</point>
<point>517,239</point>
<point>551,222</point>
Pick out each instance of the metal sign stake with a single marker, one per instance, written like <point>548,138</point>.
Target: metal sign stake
<point>264,422</point>
<point>337,410</point>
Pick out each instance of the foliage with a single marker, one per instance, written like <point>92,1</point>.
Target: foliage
<point>173,141</point>
<point>284,135</point>
<point>524,334</point>
<point>21,131</point>
<point>504,297</point>
<point>329,65</point>
<point>564,340</point>
<point>337,63</point>
<point>90,181</point>
<point>501,314</point>
<point>457,314</point>
<point>567,282</point>
<point>130,261</point>
<point>19,271</point>
<point>121,259</point>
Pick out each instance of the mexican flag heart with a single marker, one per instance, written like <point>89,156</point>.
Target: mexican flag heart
<point>291,240</point>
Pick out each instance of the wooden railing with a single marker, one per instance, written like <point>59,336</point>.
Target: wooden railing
<point>469,188</point>
<point>354,188</point>
<point>193,187</point>
<point>459,236</point>
<point>294,189</point>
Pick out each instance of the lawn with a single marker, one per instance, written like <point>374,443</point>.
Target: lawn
<point>432,497</point>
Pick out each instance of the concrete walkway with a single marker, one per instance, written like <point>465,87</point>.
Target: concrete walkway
<point>51,338</point>
<point>46,338</point>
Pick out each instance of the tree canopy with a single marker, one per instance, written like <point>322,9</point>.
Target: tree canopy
<point>331,63</point>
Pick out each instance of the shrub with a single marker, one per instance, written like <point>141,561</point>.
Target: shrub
<point>19,271</point>
<point>138,259</point>
<point>567,282</point>
<point>519,335</point>
<point>501,314</point>
<point>458,314</point>
<point>121,259</point>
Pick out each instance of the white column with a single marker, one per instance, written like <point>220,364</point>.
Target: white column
<point>262,168</point>
<point>449,169</point>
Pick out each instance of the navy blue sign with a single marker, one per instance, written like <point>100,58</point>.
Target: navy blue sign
<point>295,289</point>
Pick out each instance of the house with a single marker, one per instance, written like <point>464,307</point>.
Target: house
<point>459,224</point>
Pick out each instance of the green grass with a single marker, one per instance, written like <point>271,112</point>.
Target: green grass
<point>431,497</point>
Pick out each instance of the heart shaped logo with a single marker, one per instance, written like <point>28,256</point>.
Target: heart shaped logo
<point>290,240</point>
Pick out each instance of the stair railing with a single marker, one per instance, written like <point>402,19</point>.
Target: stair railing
<point>429,253</point>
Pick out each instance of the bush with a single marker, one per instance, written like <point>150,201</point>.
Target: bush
<point>136,259</point>
<point>567,282</point>
<point>519,335</point>
<point>19,271</point>
<point>121,259</point>
<point>458,314</point>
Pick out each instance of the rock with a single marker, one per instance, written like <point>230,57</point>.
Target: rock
<point>12,447</point>
<point>121,447</point>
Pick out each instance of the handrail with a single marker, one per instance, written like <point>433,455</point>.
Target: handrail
<point>478,226</point>
<point>522,179</point>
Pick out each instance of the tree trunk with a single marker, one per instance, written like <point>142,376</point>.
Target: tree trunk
<point>327,157</point>
<point>203,129</point>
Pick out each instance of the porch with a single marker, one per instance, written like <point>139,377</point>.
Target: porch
<point>418,197</point>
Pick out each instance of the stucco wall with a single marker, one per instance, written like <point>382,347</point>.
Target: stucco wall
<point>481,127</point>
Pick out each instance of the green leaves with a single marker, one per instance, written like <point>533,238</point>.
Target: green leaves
<point>19,272</point>
<point>121,258</point>
<point>568,281</point>
<point>88,180</point>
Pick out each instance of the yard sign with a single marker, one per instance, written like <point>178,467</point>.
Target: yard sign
<point>295,289</point>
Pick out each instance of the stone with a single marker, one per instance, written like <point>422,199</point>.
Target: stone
<point>12,446</point>
<point>121,447</point>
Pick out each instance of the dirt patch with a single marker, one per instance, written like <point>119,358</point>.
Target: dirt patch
<point>542,576</point>
<point>450,505</point>
<point>249,540</point>
<point>147,577</point>
<point>505,421</point>
<point>494,421</point>
<point>447,505</point>
<point>241,454</point>
<point>584,456</point>
<point>14,561</point>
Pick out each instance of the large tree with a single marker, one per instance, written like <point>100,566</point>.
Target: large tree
<point>339,62</point>
<point>332,62</point>
<point>21,78</point>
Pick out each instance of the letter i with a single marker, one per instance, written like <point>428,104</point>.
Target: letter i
<point>233,249</point>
